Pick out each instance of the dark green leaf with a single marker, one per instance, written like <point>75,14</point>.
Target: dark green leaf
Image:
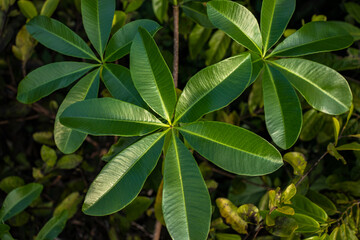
<point>53,227</point>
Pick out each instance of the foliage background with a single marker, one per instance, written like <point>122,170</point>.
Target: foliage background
<point>27,146</point>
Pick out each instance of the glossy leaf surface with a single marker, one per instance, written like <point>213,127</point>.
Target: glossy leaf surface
<point>283,113</point>
<point>56,36</point>
<point>314,37</point>
<point>232,148</point>
<point>275,16</point>
<point>236,21</point>
<point>94,116</point>
<point>97,18</point>
<point>53,227</point>
<point>213,88</point>
<point>186,201</point>
<point>69,140</point>
<point>322,87</point>
<point>121,180</point>
<point>304,206</point>
<point>151,75</point>
<point>197,12</point>
<point>19,199</point>
<point>117,80</point>
<point>45,80</point>
<point>120,43</point>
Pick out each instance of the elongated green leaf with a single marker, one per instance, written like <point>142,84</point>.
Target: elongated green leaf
<point>275,16</point>
<point>232,148</point>
<point>96,117</point>
<point>353,9</point>
<point>160,8</point>
<point>45,80</point>
<point>257,67</point>
<point>151,75</point>
<point>197,12</point>
<point>351,29</point>
<point>27,8</point>
<point>53,227</point>
<point>322,201</point>
<point>283,114</point>
<point>354,146</point>
<point>186,201</point>
<point>97,17</point>
<point>213,88</point>
<point>121,180</point>
<point>304,206</point>
<point>305,223</point>
<point>66,139</point>
<point>197,39</point>
<point>218,45</point>
<point>314,37</point>
<point>19,199</point>
<point>236,21</point>
<point>118,81</point>
<point>120,43</point>
<point>49,7</point>
<point>322,87</point>
<point>56,36</point>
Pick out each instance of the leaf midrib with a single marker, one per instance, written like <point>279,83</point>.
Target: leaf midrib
<point>269,30</point>
<point>72,44</point>
<point>129,169</point>
<point>274,53</point>
<point>224,144</point>
<point>310,82</point>
<point>119,120</point>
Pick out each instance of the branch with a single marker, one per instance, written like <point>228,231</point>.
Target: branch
<point>312,168</point>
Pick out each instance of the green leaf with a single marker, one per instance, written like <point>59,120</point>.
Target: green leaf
<point>213,88</point>
<point>117,80</point>
<point>197,12</point>
<point>119,146</point>
<point>351,29</point>
<point>197,39</point>
<point>275,16</point>
<point>236,21</point>
<point>69,161</point>
<point>121,180</point>
<point>137,207</point>
<point>343,232</point>
<point>9,183</point>
<point>312,81</point>
<point>218,46</point>
<point>118,21</point>
<point>305,223</point>
<point>19,199</point>
<point>67,139</point>
<point>322,201</point>
<point>49,7</point>
<point>69,204</point>
<point>282,107</point>
<point>304,206</point>
<point>45,80</point>
<point>186,201</point>
<point>314,37</point>
<point>132,5</point>
<point>227,236</point>
<point>97,18</point>
<point>93,116</point>
<point>53,227</point>
<point>224,145</point>
<point>120,43</point>
<point>336,129</point>
<point>56,36</point>
<point>353,9</point>
<point>151,75</point>
<point>48,155</point>
<point>354,146</point>
<point>312,124</point>
<point>284,226</point>
<point>297,161</point>
<point>160,8</point>
<point>257,67</point>
<point>288,194</point>
<point>27,8</point>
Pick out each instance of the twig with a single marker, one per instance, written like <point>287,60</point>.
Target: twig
<point>141,228</point>
<point>176,44</point>
<point>312,168</point>
<point>157,230</point>
<point>19,119</point>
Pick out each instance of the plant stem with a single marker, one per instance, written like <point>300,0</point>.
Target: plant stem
<point>176,43</point>
<point>312,168</point>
